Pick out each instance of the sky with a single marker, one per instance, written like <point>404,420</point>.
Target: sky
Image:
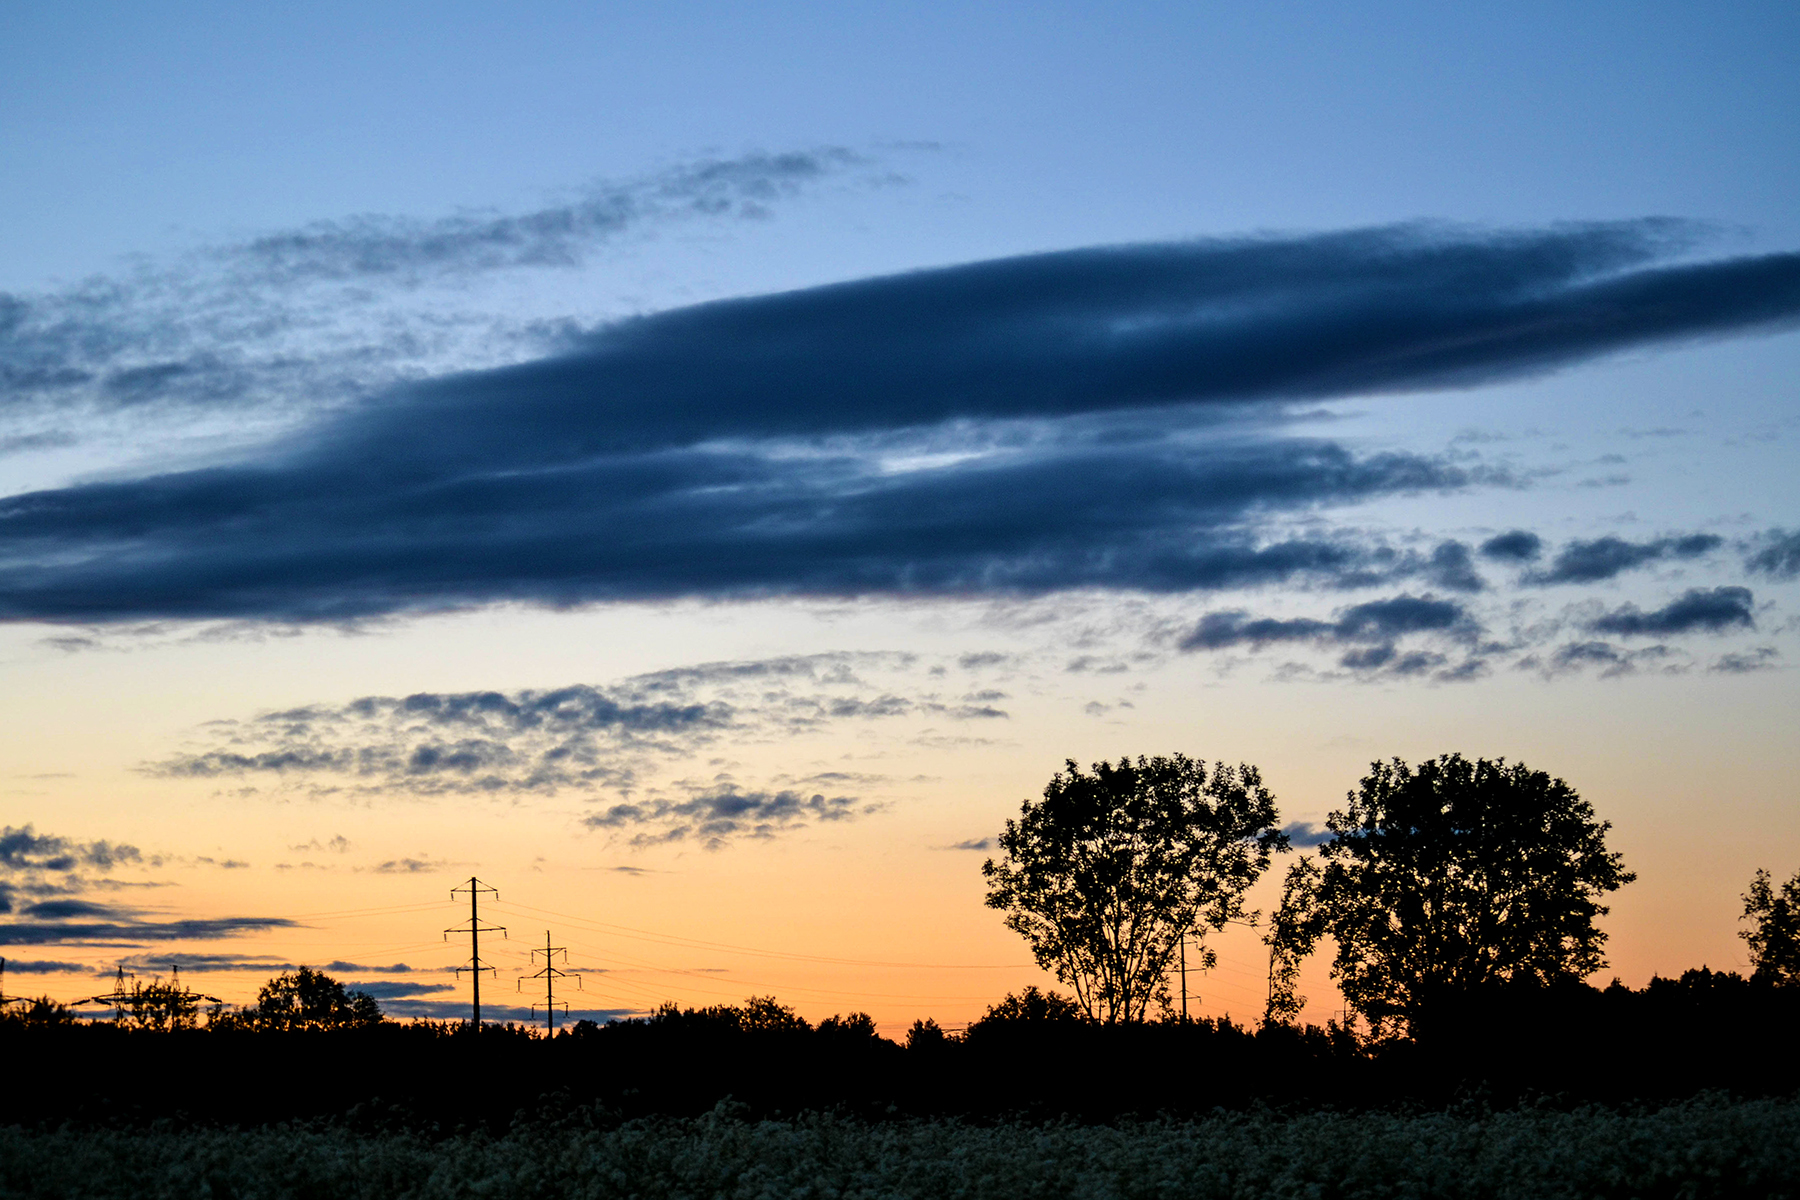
<point>700,468</point>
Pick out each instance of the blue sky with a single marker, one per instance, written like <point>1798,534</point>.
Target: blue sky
<point>699,429</point>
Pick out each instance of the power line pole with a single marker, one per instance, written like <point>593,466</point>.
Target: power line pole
<point>550,975</point>
<point>475,929</point>
<point>1184,1016</point>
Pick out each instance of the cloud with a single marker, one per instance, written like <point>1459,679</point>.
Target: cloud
<point>458,1010</point>
<point>713,818</point>
<point>409,866</point>
<point>1709,610</point>
<point>1304,834</point>
<point>1611,661</point>
<point>30,966</point>
<point>1778,554</point>
<point>48,865</point>
<point>204,964</point>
<point>385,990</point>
<point>985,843</point>
<point>1090,418</point>
<point>1371,630</point>
<point>1762,658</point>
<point>128,930</point>
<point>582,737</point>
<point>1604,558</point>
<point>1514,546</point>
<point>24,850</point>
<point>373,247</point>
<point>1452,567</point>
<point>323,312</point>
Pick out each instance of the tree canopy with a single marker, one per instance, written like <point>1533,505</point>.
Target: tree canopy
<point>1106,872</point>
<point>1775,937</point>
<point>308,999</point>
<point>1448,878</point>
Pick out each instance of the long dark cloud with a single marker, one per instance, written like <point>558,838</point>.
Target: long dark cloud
<point>1608,557</point>
<point>130,930</point>
<point>1091,418</point>
<point>1709,610</point>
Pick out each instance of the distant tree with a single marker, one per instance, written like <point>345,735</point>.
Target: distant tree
<point>1774,937</point>
<point>758,1014</point>
<point>926,1035</point>
<point>1032,1005</point>
<point>1105,873</point>
<point>857,1026</point>
<point>41,1013</point>
<point>159,1006</point>
<point>765,1014</point>
<point>306,999</point>
<point>1449,878</point>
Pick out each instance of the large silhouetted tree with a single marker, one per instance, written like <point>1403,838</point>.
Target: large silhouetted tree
<point>1775,937</point>
<point>1446,879</point>
<point>1105,873</point>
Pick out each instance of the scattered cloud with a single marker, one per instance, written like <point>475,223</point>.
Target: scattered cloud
<point>1776,553</point>
<point>1371,632</point>
<point>714,818</point>
<point>409,866</point>
<point>582,737</point>
<point>1609,660</point>
<point>1762,658</point>
<point>47,865</point>
<point>1513,546</point>
<point>326,311</point>
<point>983,844</point>
<point>1105,418</point>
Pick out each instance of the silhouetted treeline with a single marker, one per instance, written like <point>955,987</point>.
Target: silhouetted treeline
<point>1574,1043</point>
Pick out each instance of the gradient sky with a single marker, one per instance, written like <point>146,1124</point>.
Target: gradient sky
<point>701,467</point>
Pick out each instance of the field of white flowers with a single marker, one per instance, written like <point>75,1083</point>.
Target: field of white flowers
<point>1705,1147</point>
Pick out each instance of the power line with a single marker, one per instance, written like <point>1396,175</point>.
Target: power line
<point>475,929</point>
<point>701,944</point>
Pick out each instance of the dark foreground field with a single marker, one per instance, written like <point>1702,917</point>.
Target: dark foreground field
<point>1707,1146</point>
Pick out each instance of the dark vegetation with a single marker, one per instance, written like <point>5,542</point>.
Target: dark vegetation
<point>1460,898</point>
<point>1029,1056</point>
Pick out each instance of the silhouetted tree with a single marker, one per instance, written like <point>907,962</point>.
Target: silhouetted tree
<point>1775,937</point>
<point>857,1026</point>
<point>1451,878</point>
<point>1105,873</point>
<point>1032,1005</point>
<point>765,1014</point>
<point>40,1013</point>
<point>926,1035</point>
<point>159,1006</point>
<point>308,999</point>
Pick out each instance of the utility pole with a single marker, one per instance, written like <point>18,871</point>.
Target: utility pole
<point>1184,1016</point>
<point>550,975</point>
<point>475,929</point>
